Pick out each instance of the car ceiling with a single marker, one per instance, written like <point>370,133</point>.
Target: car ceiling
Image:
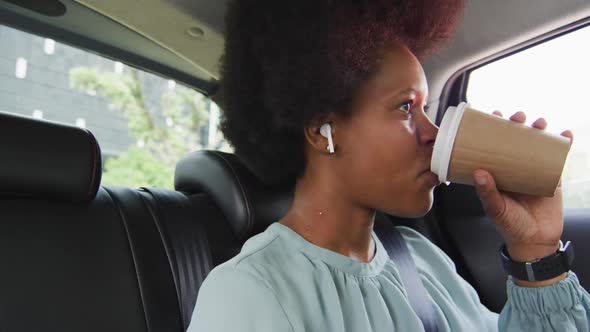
<point>183,39</point>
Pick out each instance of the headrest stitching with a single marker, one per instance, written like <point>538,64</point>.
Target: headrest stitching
<point>94,155</point>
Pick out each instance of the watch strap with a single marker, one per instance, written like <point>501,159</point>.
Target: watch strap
<point>542,269</point>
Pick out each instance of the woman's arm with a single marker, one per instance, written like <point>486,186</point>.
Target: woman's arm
<point>531,227</point>
<point>563,306</point>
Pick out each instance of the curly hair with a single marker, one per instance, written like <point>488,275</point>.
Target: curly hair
<point>287,63</point>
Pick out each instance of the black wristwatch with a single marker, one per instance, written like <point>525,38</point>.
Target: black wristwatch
<point>542,269</point>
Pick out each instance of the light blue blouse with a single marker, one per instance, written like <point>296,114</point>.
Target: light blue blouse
<point>281,282</point>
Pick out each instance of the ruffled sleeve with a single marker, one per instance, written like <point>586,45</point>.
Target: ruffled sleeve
<point>564,306</point>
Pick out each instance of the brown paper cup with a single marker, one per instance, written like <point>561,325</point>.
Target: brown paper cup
<point>521,159</point>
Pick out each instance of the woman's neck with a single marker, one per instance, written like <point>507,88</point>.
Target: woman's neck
<point>326,218</point>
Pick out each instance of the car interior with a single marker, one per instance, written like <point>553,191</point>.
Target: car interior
<point>79,255</point>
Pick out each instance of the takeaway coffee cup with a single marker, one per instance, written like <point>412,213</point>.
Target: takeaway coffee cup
<point>521,159</point>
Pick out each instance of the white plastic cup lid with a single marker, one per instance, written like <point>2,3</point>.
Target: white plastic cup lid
<point>445,140</point>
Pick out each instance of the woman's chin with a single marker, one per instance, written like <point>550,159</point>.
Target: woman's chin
<point>427,206</point>
<point>421,206</point>
<point>413,205</point>
<point>417,214</point>
<point>416,209</point>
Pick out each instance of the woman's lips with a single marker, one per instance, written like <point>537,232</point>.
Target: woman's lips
<point>432,177</point>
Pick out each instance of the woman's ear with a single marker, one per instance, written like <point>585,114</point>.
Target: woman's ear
<point>320,135</point>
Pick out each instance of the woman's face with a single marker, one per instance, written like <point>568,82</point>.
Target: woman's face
<point>384,149</point>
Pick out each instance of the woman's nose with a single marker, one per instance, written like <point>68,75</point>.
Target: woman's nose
<point>427,130</point>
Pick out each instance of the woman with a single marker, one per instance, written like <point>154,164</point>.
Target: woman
<point>289,69</point>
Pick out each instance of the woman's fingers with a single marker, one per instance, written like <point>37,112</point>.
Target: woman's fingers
<point>540,123</point>
<point>491,199</point>
<point>569,134</point>
<point>519,117</point>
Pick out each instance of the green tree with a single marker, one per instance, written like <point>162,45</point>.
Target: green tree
<point>163,134</point>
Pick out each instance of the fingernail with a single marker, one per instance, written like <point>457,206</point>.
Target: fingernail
<point>481,180</point>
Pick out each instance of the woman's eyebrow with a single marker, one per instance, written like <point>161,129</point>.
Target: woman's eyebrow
<point>408,92</point>
<point>414,92</point>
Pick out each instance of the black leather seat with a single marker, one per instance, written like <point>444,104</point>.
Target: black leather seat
<point>180,220</point>
<point>248,206</point>
<point>79,257</point>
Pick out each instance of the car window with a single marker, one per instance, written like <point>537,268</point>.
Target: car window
<point>550,80</point>
<point>144,123</point>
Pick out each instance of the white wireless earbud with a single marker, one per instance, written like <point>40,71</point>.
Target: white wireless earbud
<point>326,131</point>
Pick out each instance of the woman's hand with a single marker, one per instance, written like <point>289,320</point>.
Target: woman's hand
<point>530,225</point>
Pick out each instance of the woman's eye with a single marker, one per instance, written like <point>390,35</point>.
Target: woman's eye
<point>406,107</point>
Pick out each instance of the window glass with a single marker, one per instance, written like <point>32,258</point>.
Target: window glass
<point>550,80</point>
<point>144,123</point>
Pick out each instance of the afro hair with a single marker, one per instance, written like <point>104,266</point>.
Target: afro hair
<point>287,63</point>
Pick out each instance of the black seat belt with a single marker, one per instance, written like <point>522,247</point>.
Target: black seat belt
<point>398,251</point>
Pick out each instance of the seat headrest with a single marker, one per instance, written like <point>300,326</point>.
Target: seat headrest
<point>42,159</point>
<point>248,204</point>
